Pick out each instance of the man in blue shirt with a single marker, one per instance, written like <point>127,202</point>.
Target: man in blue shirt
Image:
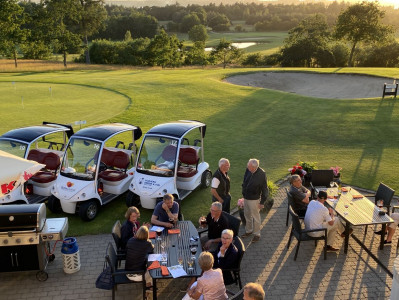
<point>165,212</point>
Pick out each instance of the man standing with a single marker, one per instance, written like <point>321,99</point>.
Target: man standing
<point>165,212</point>
<point>318,216</point>
<point>221,185</point>
<point>300,195</point>
<point>255,192</point>
<point>216,224</point>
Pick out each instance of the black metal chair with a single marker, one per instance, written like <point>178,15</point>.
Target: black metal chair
<point>321,178</point>
<point>236,269</point>
<point>393,210</point>
<point>116,234</point>
<point>290,201</point>
<point>384,193</point>
<point>302,235</point>
<point>119,275</point>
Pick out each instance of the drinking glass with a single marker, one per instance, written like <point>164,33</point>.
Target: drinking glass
<point>180,259</point>
<point>193,252</point>
<point>190,263</point>
<point>164,258</point>
<point>380,203</point>
<point>159,232</point>
<point>172,221</point>
<point>203,222</point>
<point>331,184</point>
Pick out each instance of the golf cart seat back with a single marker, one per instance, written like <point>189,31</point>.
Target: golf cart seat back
<point>169,153</point>
<point>52,162</point>
<point>189,159</point>
<point>114,159</point>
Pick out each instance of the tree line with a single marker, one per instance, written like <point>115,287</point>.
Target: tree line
<point>320,35</point>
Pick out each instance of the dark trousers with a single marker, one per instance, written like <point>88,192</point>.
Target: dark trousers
<point>225,204</point>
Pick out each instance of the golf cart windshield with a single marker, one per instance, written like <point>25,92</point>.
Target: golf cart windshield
<point>157,156</point>
<point>80,159</point>
<point>12,147</point>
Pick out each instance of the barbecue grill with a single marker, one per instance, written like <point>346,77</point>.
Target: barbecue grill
<point>26,236</point>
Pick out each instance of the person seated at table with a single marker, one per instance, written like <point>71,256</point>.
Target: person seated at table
<point>131,225</point>
<point>390,228</point>
<point>318,216</point>
<point>226,255</point>
<point>210,285</point>
<point>165,212</point>
<point>253,291</point>
<point>137,250</point>
<point>300,195</point>
<point>217,222</point>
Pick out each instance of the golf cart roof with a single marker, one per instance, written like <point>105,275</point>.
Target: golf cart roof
<point>177,129</point>
<point>105,131</point>
<point>32,133</point>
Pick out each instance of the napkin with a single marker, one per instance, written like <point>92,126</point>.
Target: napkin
<point>152,235</point>
<point>164,271</point>
<point>154,265</point>
<point>330,197</point>
<point>344,189</point>
<point>173,231</point>
<point>357,196</point>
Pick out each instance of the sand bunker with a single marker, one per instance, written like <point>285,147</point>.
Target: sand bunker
<point>332,86</point>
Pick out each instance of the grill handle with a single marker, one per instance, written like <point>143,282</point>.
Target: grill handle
<point>12,260</point>
<point>16,259</point>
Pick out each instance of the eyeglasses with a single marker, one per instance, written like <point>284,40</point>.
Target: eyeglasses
<point>214,210</point>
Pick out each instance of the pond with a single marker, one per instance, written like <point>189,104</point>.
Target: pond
<point>242,45</point>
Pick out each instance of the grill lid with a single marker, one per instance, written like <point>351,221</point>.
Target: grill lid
<point>18,217</point>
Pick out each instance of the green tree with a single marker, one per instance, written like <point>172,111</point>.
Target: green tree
<point>198,33</point>
<point>196,55</point>
<point>306,42</point>
<point>12,35</point>
<point>218,22</point>
<point>64,16</point>
<point>165,50</point>
<point>226,53</point>
<point>362,23</point>
<point>92,17</point>
<point>128,36</point>
<point>188,22</point>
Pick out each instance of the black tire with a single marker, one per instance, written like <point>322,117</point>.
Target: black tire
<point>132,199</point>
<point>41,276</point>
<point>88,210</point>
<point>54,204</point>
<point>206,179</point>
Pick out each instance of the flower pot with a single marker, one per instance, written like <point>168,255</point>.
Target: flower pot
<point>242,217</point>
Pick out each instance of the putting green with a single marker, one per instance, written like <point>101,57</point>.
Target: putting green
<point>30,103</point>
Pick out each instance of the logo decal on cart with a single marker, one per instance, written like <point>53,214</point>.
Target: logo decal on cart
<point>69,184</point>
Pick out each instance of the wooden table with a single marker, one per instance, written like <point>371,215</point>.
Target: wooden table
<point>356,212</point>
<point>175,245</point>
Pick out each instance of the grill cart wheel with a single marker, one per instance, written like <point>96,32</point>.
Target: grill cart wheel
<point>41,276</point>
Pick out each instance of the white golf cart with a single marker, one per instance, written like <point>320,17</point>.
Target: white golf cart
<point>44,144</point>
<point>97,167</point>
<point>168,163</point>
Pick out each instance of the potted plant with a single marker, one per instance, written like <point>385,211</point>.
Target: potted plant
<point>337,173</point>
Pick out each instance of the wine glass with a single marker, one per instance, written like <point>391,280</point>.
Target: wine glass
<point>159,232</point>
<point>180,259</point>
<point>380,203</point>
<point>193,252</point>
<point>190,263</point>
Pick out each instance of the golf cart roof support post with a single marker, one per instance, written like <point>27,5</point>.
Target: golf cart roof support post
<point>202,144</point>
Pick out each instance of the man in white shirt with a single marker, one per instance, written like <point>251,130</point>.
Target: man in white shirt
<point>318,216</point>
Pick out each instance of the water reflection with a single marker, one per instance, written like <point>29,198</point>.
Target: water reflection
<point>238,45</point>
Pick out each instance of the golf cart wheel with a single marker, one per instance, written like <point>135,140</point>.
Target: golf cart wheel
<point>41,276</point>
<point>54,204</point>
<point>88,210</point>
<point>206,179</point>
<point>132,199</point>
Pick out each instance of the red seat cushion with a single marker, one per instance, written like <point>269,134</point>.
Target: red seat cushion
<point>112,175</point>
<point>43,177</point>
<point>188,156</point>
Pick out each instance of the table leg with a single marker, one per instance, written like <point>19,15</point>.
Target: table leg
<point>154,289</point>
<point>346,243</point>
<point>384,228</point>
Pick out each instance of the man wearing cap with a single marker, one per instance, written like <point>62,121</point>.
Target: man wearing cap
<point>318,216</point>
